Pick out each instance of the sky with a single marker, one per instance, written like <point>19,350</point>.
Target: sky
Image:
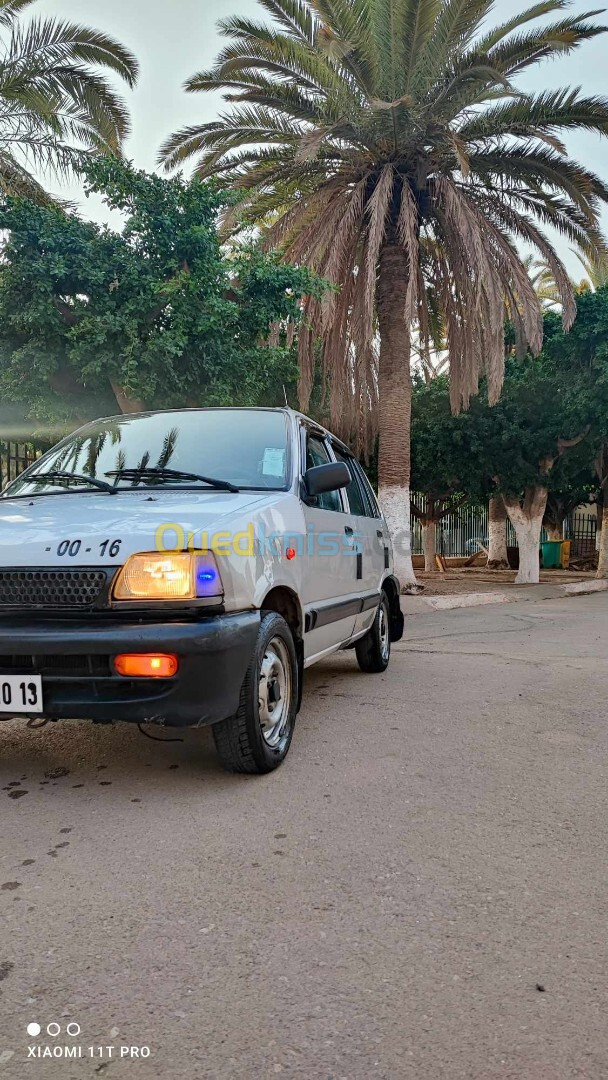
<point>175,38</point>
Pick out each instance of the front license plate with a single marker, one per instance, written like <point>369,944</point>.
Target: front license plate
<point>20,694</point>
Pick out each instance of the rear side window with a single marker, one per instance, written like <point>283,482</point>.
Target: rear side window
<point>354,491</point>
<point>317,454</point>
<point>373,510</point>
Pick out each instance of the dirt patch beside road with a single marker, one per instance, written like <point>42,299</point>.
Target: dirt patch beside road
<point>473,580</point>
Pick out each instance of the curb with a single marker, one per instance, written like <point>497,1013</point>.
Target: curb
<point>418,605</point>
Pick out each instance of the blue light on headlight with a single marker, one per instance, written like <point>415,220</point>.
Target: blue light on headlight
<point>208,581</point>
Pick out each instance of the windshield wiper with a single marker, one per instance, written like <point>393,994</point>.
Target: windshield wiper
<point>171,474</point>
<point>57,476</point>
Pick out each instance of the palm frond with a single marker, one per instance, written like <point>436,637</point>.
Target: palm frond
<point>15,179</point>
<point>545,7</point>
<point>524,50</point>
<point>456,23</point>
<point>595,267</point>
<point>55,97</point>
<point>10,9</point>
<point>295,16</point>
<point>52,41</point>
<point>546,112</point>
<point>344,36</point>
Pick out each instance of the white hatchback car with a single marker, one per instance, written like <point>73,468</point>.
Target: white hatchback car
<point>184,567</point>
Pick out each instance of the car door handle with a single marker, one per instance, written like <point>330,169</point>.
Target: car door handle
<point>348,530</point>
<point>380,534</point>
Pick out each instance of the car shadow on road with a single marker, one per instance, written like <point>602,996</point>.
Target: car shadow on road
<point>117,758</point>
<point>80,755</point>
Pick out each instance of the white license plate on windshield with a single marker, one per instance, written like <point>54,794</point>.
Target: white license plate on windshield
<point>20,694</point>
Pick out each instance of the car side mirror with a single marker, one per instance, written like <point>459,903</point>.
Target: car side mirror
<point>329,477</point>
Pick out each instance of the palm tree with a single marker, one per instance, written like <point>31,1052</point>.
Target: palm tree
<point>393,141</point>
<point>55,98</point>
<point>596,270</point>
<point>544,282</point>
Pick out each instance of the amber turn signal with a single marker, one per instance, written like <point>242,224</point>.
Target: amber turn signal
<point>146,665</point>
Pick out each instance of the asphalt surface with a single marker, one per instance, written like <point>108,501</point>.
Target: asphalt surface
<point>420,891</point>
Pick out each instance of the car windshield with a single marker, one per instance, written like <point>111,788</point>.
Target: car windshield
<point>214,449</point>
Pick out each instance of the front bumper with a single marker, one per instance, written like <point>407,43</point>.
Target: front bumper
<point>74,658</point>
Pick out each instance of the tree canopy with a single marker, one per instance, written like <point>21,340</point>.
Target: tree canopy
<point>441,455</point>
<point>546,429</point>
<point>537,446</point>
<point>157,315</point>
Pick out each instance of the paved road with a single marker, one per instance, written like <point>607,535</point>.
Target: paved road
<point>389,904</point>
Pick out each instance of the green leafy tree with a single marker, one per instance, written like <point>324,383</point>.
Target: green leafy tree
<point>394,149</point>
<point>542,448</point>
<point>576,485</point>
<point>585,350</point>
<point>93,320</point>
<point>440,460</point>
<point>537,440</point>
<point>56,100</point>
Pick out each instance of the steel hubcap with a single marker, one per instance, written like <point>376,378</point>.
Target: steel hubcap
<point>274,694</point>
<point>383,631</point>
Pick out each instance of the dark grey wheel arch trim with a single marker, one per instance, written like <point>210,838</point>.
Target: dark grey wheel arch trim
<point>392,589</point>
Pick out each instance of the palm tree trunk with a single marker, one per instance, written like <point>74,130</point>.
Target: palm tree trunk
<point>497,534</point>
<point>395,408</point>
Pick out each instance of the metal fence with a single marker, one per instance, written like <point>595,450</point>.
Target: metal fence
<point>459,533</point>
<point>466,530</point>
<point>582,530</point>
<point>14,458</point>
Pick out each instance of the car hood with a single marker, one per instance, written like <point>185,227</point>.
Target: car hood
<point>34,530</point>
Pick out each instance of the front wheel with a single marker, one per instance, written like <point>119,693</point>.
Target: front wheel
<point>257,738</point>
<point>374,650</point>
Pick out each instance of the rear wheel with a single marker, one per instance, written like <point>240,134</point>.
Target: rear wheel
<point>257,738</point>
<point>374,650</point>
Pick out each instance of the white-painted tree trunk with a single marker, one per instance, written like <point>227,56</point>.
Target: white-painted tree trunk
<point>429,544</point>
<point>555,532</point>
<point>528,540</point>
<point>497,534</point>
<point>395,503</point>
<point>527,520</point>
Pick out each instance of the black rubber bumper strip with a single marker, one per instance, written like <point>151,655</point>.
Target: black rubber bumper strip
<point>343,609</point>
<point>214,654</point>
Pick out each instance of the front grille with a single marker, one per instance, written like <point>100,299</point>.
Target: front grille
<point>51,588</point>
<point>74,667</point>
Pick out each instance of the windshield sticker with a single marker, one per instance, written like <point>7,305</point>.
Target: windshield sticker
<point>274,462</point>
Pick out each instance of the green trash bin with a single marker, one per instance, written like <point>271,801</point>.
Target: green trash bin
<point>552,554</point>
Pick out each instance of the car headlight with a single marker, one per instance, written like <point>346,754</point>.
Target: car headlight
<point>170,576</point>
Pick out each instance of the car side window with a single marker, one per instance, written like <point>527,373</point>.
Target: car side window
<point>354,491</point>
<point>317,454</point>
<point>373,510</point>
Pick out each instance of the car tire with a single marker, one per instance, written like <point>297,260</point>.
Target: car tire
<point>374,650</point>
<point>257,738</point>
